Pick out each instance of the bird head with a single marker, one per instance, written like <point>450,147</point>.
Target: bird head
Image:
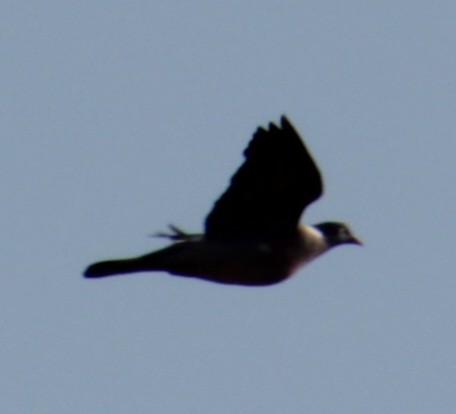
<point>337,233</point>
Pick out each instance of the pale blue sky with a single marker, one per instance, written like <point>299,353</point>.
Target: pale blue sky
<point>120,117</point>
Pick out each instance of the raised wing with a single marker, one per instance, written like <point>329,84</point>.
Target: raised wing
<point>270,190</point>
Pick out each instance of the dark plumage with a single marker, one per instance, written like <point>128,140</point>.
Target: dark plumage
<point>252,235</point>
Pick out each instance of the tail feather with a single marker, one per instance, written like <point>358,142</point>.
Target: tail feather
<point>113,267</point>
<point>161,260</point>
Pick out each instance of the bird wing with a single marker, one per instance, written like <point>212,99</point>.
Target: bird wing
<point>270,190</point>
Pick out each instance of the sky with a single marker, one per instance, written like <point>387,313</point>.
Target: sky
<point>118,118</point>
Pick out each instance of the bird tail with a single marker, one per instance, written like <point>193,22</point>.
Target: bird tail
<point>114,267</point>
<point>167,259</point>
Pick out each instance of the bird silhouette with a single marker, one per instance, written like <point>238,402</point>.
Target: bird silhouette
<point>252,234</point>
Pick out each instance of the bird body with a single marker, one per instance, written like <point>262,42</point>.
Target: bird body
<point>250,263</point>
<point>252,235</point>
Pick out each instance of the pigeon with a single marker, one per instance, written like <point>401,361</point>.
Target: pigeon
<point>252,235</point>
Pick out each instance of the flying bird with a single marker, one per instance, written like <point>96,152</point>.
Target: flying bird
<point>252,235</point>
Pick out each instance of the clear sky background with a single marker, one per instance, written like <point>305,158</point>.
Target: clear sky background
<point>118,118</point>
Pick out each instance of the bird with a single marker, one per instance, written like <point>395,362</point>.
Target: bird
<point>253,235</point>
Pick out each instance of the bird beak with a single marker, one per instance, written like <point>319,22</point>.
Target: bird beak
<point>355,240</point>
